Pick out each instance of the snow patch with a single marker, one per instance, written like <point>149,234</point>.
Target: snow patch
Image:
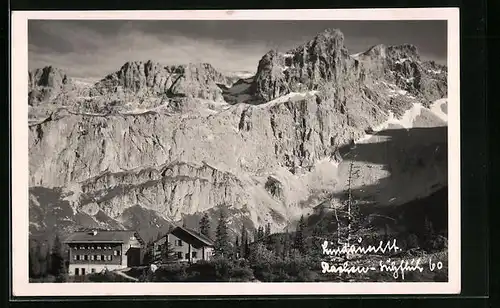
<point>406,121</point>
<point>326,160</point>
<point>402,60</point>
<point>285,98</point>
<point>437,72</point>
<point>435,108</point>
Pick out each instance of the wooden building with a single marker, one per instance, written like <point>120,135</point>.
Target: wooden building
<point>187,246</point>
<point>94,251</point>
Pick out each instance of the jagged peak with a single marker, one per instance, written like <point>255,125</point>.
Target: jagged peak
<point>330,34</point>
<point>48,76</point>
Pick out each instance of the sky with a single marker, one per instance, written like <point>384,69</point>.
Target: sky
<point>95,48</point>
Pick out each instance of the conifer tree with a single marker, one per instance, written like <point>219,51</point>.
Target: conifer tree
<point>299,243</point>
<point>46,260</point>
<point>317,241</point>
<point>57,260</point>
<point>221,246</point>
<point>35,257</point>
<point>244,242</point>
<point>286,244</point>
<point>260,233</point>
<point>204,225</point>
<point>236,248</point>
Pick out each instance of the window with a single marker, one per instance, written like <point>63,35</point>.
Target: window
<point>75,257</point>
<point>92,257</point>
<point>187,255</point>
<point>103,257</point>
<point>92,270</point>
<point>179,242</point>
<point>85,257</point>
<point>193,254</point>
<point>92,247</point>
<point>77,271</point>
<point>110,257</point>
<point>116,252</point>
<point>98,257</point>
<point>98,247</point>
<point>179,255</point>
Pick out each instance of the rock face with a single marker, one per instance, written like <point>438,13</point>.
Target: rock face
<point>46,83</point>
<point>270,160</point>
<point>143,78</point>
<point>324,61</point>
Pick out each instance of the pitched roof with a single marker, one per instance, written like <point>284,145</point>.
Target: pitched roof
<point>106,236</point>
<point>198,238</point>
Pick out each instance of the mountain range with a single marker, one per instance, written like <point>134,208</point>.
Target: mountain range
<point>153,144</point>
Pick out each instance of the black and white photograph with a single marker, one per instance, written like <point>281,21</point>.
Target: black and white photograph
<point>238,150</point>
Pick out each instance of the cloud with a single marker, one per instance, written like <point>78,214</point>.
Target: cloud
<point>97,48</point>
<point>82,52</point>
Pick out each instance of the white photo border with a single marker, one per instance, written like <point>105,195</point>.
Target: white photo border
<point>19,154</point>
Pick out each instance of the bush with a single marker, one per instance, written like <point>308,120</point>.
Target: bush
<point>290,269</point>
<point>171,272</point>
<point>106,276</point>
<point>220,269</point>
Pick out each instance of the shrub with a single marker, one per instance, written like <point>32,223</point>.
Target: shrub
<point>171,272</point>
<point>106,276</point>
<point>297,268</point>
<point>202,271</point>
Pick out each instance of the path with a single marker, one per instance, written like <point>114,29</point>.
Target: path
<point>121,273</point>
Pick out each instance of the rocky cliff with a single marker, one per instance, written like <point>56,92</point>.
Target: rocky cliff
<point>269,157</point>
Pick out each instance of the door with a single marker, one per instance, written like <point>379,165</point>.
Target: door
<point>77,271</point>
<point>83,271</point>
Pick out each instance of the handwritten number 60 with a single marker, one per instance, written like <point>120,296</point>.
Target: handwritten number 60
<point>433,265</point>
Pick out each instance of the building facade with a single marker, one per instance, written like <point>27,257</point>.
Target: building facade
<point>96,251</point>
<point>186,245</point>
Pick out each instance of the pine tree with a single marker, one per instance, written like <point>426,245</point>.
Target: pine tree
<point>260,233</point>
<point>35,257</point>
<point>269,241</point>
<point>205,225</point>
<point>317,241</point>
<point>286,245</point>
<point>299,243</point>
<point>236,248</point>
<point>247,248</point>
<point>46,260</point>
<point>58,262</point>
<point>244,242</point>
<point>429,235</point>
<point>221,245</point>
